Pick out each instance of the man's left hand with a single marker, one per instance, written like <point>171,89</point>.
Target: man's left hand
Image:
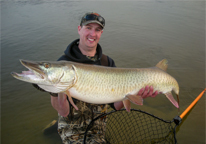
<point>148,91</point>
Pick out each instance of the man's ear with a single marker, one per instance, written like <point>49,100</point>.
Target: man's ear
<point>79,28</point>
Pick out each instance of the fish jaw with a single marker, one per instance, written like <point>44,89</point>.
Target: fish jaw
<point>44,73</point>
<point>33,75</point>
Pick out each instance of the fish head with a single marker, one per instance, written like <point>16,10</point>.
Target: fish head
<point>47,74</point>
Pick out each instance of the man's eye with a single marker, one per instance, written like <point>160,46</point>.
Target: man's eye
<point>98,29</point>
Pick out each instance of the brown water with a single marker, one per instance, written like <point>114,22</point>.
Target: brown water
<point>137,34</point>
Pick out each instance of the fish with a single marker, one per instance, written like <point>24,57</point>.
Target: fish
<point>99,84</point>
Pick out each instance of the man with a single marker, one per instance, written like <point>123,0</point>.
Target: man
<point>72,122</point>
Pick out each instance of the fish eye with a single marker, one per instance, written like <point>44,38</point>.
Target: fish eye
<point>46,65</point>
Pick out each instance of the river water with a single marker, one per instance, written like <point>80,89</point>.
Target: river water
<point>137,34</point>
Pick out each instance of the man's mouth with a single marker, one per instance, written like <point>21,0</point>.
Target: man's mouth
<point>91,39</point>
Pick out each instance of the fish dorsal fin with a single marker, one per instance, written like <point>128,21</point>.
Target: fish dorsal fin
<point>162,64</point>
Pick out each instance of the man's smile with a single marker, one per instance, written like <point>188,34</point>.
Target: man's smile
<point>90,39</point>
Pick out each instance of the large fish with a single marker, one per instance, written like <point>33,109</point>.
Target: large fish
<point>99,84</point>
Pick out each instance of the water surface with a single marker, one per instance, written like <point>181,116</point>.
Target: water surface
<point>137,34</point>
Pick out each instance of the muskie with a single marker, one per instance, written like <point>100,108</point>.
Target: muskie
<point>99,84</point>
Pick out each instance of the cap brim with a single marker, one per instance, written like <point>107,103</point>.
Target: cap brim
<point>92,21</point>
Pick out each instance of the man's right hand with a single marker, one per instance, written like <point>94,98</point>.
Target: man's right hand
<point>61,104</point>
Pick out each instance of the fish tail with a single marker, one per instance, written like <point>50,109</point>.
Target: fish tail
<point>172,100</point>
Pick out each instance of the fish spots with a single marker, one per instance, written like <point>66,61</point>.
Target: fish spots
<point>112,89</point>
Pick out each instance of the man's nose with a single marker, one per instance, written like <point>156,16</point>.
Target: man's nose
<point>92,32</point>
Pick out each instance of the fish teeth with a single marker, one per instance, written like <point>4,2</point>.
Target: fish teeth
<point>38,74</point>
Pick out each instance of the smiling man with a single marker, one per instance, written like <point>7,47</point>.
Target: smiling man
<point>72,122</point>
<point>89,38</point>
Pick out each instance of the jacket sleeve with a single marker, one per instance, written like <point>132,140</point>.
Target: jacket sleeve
<point>112,106</point>
<point>111,62</point>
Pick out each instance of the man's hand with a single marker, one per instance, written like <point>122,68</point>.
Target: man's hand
<point>147,92</point>
<point>61,104</point>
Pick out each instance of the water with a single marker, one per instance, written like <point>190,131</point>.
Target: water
<point>137,34</point>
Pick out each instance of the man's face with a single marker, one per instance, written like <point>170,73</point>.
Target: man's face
<point>90,34</point>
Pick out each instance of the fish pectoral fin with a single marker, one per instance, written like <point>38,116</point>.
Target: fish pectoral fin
<point>135,99</point>
<point>127,104</point>
<point>172,100</point>
<point>71,100</point>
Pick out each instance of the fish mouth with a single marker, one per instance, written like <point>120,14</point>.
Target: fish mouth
<point>34,71</point>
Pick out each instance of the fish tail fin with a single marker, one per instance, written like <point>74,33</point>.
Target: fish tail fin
<point>178,101</point>
<point>163,64</point>
<point>172,100</point>
<point>176,91</point>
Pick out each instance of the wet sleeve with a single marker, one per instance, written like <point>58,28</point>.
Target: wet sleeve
<point>111,62</point>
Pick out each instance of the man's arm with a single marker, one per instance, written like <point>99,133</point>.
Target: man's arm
<point>144,93</point>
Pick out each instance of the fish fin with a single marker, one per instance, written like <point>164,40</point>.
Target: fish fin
<point>127,104</point>
<point>178,101</point>
<point>172,100</point>
<point>135,99</point>
<point>71,100</point>
<point>163,64</point>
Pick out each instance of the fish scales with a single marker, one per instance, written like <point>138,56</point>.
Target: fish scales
<point>106,84</point>
<point>103,83</point>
